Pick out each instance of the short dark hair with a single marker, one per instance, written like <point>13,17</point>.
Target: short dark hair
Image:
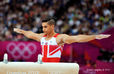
<point>49,20</point>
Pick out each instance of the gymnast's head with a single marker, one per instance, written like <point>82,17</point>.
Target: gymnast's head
<point>48,25</point>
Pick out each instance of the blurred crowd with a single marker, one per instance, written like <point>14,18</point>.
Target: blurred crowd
<point>72,16</point>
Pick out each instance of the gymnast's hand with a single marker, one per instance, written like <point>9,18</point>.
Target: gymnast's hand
<point>102,36</point>
<point>18,30</point>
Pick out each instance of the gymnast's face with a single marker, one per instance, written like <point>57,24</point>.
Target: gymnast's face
<point>47,28</point>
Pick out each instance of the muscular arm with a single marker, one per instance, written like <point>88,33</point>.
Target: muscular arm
<point>29,34</point>
<point>81,38</point>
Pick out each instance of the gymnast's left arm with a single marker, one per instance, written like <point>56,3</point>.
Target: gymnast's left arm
<point>82,38</point>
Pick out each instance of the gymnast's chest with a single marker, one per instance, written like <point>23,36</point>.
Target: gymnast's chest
<point>51,41</point>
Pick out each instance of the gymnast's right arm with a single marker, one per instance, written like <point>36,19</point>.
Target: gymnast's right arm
<point>29,34</point>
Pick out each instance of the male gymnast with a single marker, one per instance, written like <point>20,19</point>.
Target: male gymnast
<point>52,43</point>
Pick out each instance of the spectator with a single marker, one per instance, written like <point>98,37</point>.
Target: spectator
<point>73,17</point>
